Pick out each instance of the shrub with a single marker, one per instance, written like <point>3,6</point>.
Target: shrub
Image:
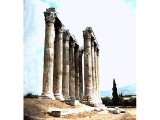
<point>107,101</point>
<point>30,95</point>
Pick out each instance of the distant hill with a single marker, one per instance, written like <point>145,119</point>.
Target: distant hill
<point>126,90</point>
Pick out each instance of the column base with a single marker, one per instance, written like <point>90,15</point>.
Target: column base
<point>88,101</point>
<point>59,97</point>
<point>67,97</point>
<point>47,96</point>
<point>93,102</point>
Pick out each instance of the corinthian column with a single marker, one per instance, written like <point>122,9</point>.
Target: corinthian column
<point>98,73</point>
<point>93,68</point>
<point>58,66</point>
<point>48,52</point>
<point>77,71</point>
<point>72,69</point>
<point>80,75</point>
<point>95,63</point>
<point>98,80</point>
<point>87,66</point>
<point>65,82</point>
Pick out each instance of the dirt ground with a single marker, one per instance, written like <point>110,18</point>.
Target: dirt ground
<point>103,115</point>
<point>36,109</point>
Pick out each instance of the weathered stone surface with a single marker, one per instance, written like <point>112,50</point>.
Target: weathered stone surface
<point>87,65</point>
<point>58,66</point>
<point>80,75</point>
<point>77,71</point>
<point>74,102</point>
<point>63,64</point>
<point>98,73</point>
<point>116,110</point>
<point>93,68</point>
<point>48,54</point>
<point>65,82</point>
<point>72,69</point>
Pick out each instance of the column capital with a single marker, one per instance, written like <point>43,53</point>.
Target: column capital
<point>72,43</point>
<point>76,47</point>
<point>87,32</point>
<point>95,45</point>
<point>66,35</point>
<point>61,29</point>
<point>50,15</point>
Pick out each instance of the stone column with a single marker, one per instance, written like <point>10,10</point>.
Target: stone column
<point>95,62</point>
<point>93,68</point>
<point>72,69</point>
<point>98,80</point>
<point>65,80</point>
<point>48,53</point>
<point>77,71</point>
<point>98,73</point>
<point>58,66</point>
<point>80,75</point>
<point>87,66</point>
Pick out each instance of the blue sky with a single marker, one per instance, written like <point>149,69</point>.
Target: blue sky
<point>113,22</point>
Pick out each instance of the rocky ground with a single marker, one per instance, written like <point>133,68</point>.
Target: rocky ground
<point>38,109</point>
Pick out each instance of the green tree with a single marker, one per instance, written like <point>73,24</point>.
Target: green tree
<point>115,98</point>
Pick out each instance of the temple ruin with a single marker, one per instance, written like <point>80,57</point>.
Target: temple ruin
<point>65,61</point>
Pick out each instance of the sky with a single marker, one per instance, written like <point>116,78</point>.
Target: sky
<point>113,23</point>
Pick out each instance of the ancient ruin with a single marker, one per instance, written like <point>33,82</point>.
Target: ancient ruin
<point>63,58</point>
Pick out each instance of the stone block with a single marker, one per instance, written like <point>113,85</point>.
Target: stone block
<point>74,102</point>
<point>56,113</point>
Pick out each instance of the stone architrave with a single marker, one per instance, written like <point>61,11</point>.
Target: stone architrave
<point>72,70</point>
<point>80,75</point>
<point>65,80</point>
<point>48,53</point>
<point>88,99</point>
<point>77,71</point>
<point>58,66</point>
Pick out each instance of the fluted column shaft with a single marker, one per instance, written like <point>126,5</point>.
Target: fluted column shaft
<point>48,54</point>
<point>98,80</point>
<point>93,69</point>
<point>77,72</point>
<point>96,72</point>
<point>80,75</point>
<point>58,66</point>
<point>72,70</point>
<point>87,65</point>
<point>65,80</point>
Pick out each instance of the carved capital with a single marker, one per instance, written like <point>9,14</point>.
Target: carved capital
<point>72,43</point>
<point>50,15</point>
<point>76,47</point>
<point>89,30</point>
<point>61,29</point>
<point>66,35</point>
<point>87,33</point>
<point>95,45</point>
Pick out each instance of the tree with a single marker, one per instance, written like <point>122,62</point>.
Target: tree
<point>115,99</point>
<point>107,101</point>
